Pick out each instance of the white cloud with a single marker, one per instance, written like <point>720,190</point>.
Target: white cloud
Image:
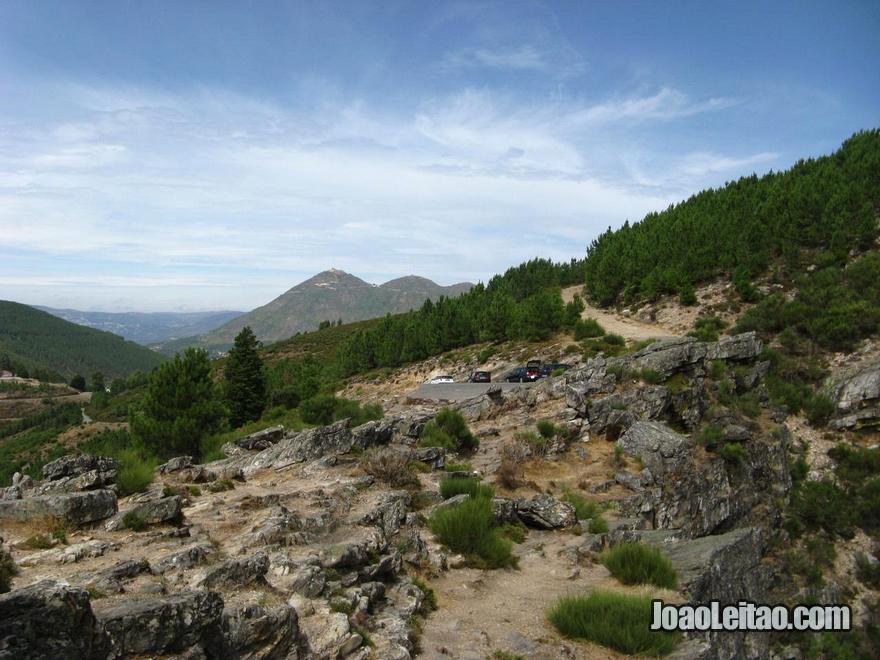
<point>460,189</point>
<point>525,57</point>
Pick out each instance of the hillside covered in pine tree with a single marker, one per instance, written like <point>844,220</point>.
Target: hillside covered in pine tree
<point>51,348</point>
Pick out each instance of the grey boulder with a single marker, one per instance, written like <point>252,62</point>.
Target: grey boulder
<point>49,620</point>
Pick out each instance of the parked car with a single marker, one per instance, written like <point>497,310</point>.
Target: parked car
<point>437,380</point>
<point>533,369</point>
<point>521,375</point>
<point>480,377</point>
<point>548,369</point>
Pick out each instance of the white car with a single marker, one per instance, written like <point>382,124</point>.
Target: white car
<point>437,380</point>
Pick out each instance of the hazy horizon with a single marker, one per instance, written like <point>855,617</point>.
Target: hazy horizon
<point>210,155</point>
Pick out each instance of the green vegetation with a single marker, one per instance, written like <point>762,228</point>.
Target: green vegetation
<point>834,308</point>
<point>453,486</point>
<point>546,428</point>
<point>458,467</point>
<point>244,380</point>
<point>618,621</point>
<point>134,522</point>
<point>449,430</point>
<point>707,328</point>
<point>827,204</point>
<point>8,570</point>
<point>469,528</point>
<point>43,346</point>
<point>587,329</point>
<point>137,464</point>
<point>324,409</point>
<point>523,303</point>
<point>733,452</point>
<point>27,444</point>
<point>430,602</point>
<point>589,510</point>
<point>180,408</point>
<point>634,563</point>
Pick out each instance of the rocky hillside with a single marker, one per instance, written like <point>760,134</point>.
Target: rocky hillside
<point>298,544</point>
<point>328,296</point>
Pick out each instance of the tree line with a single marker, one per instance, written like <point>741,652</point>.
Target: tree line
<point>828,204</point>
<point>523,303</point>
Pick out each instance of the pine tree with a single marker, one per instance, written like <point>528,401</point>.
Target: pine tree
<point>245,379</point>
<point>180,408</point>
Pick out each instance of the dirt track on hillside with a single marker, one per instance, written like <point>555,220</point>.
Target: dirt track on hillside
<point>627,328</point>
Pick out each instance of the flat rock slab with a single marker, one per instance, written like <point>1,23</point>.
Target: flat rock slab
<point>76,508</point>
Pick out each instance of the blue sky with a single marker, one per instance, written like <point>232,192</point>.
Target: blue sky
<point>192,155</point>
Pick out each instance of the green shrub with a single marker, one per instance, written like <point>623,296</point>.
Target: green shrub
<point>8,570</point>
<point>614,340</point>
<point>134,522</point>
<point>136,472</point>
<point>598,525</point>
<point>650,376</point>
<point>458,467</point>
<point>546,428</point>
<point>221,485</point>
<point>504,655</point>
<point>434,436</point>
<point>615,620</point>
<point>587,329</point>
<point>584,509</point>
<point>515,532</point>
<point>451,487</point>
<point>867,571</point>
<point>633,563</point>
<point>717,369</point>
<point>799,469</point>
<point>733,452</point>
<point>819,409</point>
<point>469,528</point>
<point>823,505</point>
<point>318,409</point>
<point>486,353</point>
<point>38,542</point>
<point>449,426</point>
<point>429,604</point>
<point>707,328</point>
<point>687,296</point>
<point>710,436</point>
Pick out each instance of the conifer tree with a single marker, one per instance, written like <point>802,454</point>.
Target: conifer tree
<point>180,408</point>
<point>245,380</point>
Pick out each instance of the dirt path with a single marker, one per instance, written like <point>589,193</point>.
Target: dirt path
<point>505,610</point>
<point>620,325</point>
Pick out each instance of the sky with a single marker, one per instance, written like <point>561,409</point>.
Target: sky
<point>183,155</point>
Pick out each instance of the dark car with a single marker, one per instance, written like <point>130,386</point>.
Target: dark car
<point>548,369</point>
<point>521,375</point>
<point>480,377</point>
<point>533,370</point>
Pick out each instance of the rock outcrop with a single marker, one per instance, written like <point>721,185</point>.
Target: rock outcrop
<point>857,398</point>
<point>76,508</point>
<point>683,487</point>
<point>50,619</point>
<point>186,622</point>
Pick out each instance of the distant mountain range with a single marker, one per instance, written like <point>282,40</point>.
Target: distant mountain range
<point>147,327</point>
<point>52,347</point>
<point>328,296</point>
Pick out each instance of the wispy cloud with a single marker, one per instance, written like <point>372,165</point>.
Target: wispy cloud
<point>459,189</point>
<point>523,58</point>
